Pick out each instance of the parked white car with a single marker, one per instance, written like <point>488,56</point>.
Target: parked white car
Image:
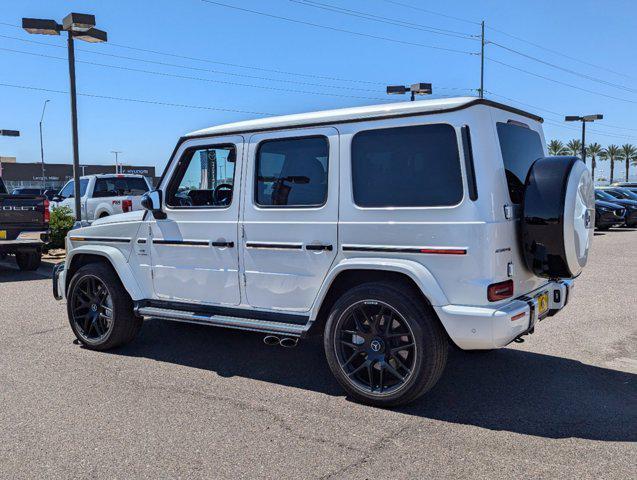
<point>104,195</point>
<point>390,230</point>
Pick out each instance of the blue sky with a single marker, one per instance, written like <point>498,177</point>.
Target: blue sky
<point>246,53</point>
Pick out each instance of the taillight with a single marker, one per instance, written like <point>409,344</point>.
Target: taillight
<point>500,291</point>
<point>127,206</point>
<point>47,212</point>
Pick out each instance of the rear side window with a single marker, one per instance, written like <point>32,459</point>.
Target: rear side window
<point>116,187</point>
<point>520,147</point>
<point>407,167</point>
<point>292,172</point>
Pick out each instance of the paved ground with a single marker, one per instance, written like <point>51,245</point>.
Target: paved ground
<point>197,402</point>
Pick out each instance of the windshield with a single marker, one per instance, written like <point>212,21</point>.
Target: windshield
<point>67,191</point>
<point>520,147</point>
<point>599,195</point>
<point>623,193</point>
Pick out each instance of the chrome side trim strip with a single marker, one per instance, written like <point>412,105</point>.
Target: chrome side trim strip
<point>405,249</point>
<point>100,239</point>
<point>275,246</point>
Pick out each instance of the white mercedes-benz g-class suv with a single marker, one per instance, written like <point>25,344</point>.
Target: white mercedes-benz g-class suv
<point>391,230</point>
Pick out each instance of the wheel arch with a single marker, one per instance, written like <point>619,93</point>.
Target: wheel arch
<point>84,255</point>
<point>352,272</point>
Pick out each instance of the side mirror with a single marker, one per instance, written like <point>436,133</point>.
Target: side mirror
<point>152,201</point>
<point>56,198</point>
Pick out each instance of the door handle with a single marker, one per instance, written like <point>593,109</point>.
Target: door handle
<point>318,247</point>
<point>223,244</point>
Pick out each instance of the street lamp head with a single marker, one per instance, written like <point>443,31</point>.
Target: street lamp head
<point>41,26</point>
<point>94,35</point>
<point>421,88</point>
<point>397,89</point>
<point>78,22</point>
<point>9,133</point>
<point>592,118</point>
<point>572,118</point>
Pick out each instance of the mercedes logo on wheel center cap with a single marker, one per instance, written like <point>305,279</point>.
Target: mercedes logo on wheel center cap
<point>375,345</point>
<point>94,307</point>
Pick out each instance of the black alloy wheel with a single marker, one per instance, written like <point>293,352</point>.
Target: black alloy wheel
<point>375,347</point>
<point>384,344</point>
<point>92,310</point>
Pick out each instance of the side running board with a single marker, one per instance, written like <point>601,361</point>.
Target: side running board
<point>263,326</point>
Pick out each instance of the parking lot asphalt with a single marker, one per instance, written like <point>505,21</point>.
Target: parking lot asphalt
<point>188,401</point>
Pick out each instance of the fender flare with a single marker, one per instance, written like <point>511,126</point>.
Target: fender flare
<point>421,276</point>
<point>117,260</point>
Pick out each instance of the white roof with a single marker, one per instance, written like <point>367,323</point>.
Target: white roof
<point>342,114</point>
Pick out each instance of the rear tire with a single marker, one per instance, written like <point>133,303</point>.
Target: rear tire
<point>397,346</point>
<point>100,309</point>
<point>28,261</point>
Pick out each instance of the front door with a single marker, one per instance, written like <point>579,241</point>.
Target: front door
<point>194,250</point>
<point>290,216</point>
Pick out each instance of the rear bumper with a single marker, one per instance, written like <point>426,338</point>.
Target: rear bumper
<point>58,281</point>
<point>479,328</point>
<point>36,238</point>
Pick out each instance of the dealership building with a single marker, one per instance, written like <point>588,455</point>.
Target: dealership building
<point>17,175</point>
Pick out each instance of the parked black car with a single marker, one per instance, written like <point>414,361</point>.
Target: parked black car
<point>49,194</point>
<point>608,214</point>
<point>630,218</point>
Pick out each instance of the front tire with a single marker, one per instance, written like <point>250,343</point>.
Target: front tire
<point>28,261</point>
<point>99,308</point>
<point>384,347</point>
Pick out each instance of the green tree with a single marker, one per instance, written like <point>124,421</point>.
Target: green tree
<point>611,153</point>
<point>62,221</point>
<point>594,150</point>
<point>574,147</point>
<point>556,148</point>
<point>628,151</point>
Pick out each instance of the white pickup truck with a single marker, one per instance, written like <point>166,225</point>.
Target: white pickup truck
<point>104,195</point>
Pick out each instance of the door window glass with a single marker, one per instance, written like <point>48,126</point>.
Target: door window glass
<point>69,189</point>
<point>204,178</point>
<point>415,166</point>
<point>292,172</point>
<point>520,147</point>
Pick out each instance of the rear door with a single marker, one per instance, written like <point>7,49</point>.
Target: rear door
<point>290,214</point>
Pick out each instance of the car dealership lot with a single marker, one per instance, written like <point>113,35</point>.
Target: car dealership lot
<point>193,401</point>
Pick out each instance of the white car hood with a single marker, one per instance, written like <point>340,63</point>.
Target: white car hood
<point>134,216</point>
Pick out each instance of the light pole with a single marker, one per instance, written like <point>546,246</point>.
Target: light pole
<point>116,152</point>
<point>80,26</point>
<point>42,145</point>
<point>415,89</point>
<point>584,119</point>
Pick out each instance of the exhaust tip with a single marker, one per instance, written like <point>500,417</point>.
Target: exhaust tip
<point>271,340</point>
<point>289,342</point>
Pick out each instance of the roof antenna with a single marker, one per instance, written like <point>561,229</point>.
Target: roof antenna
<point>415,89</point>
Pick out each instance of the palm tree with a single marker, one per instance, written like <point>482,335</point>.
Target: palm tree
<point>594,150</point>
<point>628,151</point>
<point>574,147</point>
<point>556,148</point>
<point>611,153</point>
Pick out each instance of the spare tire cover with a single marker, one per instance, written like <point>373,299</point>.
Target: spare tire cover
<point>558,217</point>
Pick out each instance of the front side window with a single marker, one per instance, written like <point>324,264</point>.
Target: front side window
<point>204,178</point>
<point>415,166</point>
<point>69,189</point>
<point>520,147</point>
<point>292,172</point>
